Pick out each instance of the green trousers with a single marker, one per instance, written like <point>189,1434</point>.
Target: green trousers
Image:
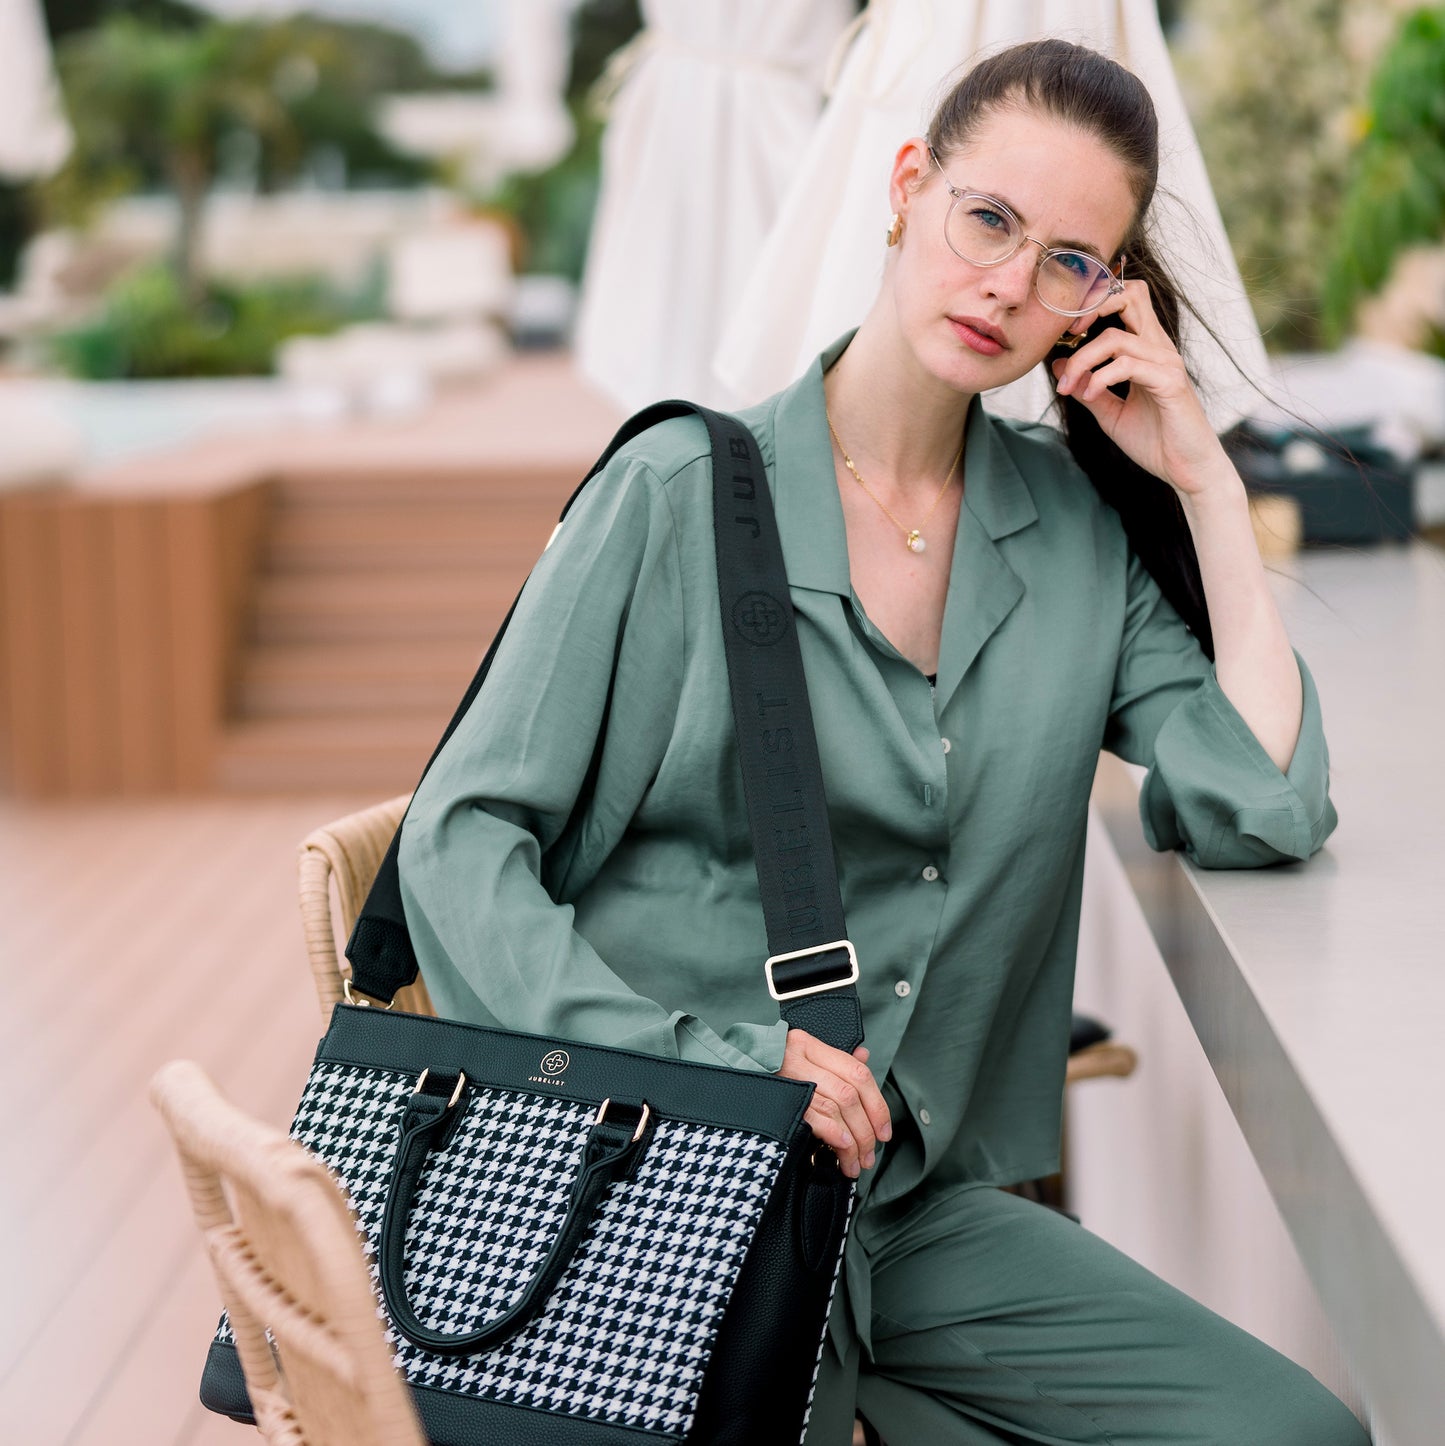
<point>998,1320</point>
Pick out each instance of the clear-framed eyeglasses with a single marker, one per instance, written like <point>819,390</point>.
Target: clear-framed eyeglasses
<point>980,229</point>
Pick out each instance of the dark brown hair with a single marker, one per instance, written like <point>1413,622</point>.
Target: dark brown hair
<point>1087,90</point>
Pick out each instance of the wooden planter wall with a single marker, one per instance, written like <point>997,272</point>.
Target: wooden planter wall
<point>120,618</point>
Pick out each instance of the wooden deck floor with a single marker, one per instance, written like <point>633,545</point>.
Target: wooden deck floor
<point>131,934</point>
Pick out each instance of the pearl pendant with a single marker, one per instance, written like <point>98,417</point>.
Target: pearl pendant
<point>916,542</point>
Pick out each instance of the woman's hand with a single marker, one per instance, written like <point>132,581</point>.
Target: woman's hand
<point>847,1112</point>
<point>1161,425</point>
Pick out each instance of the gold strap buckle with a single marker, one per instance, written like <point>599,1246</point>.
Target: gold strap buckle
<point>783,995</point>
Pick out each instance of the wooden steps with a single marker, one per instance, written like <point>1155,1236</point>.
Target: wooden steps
<point>362,606</point>
<point>380,589</point>
<point>315,679</point>
<point>332,752</point>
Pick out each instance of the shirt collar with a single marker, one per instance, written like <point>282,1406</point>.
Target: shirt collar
<point>805,489</point>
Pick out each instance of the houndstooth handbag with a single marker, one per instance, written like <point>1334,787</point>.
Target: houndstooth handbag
<point>576,1243</point>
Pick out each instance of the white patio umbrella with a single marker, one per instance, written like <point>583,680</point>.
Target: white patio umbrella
<point>521,125</point>
<point>531,68</point>
<point>717,101</point>
<point>821,264</point>
<point>34,135</point>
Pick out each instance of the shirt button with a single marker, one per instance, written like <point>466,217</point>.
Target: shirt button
<point>903,989</point>
<point>930,873</point>
<point>925,1117</point>
<point>947,746</point>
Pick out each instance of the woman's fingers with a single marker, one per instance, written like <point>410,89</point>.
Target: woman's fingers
<point>831,1130</point>
<point>1136,307</point>
<point>1073,372</point>
<point>845,1123</point>
<point>848,1111</point>
<point>856,1092</point>
<point>1124,369</point>
<point>1122,357</point>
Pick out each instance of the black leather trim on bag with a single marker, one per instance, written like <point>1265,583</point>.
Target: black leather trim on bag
<point>451,1420</point>
<point>758,1383</point>
<point>447,1419</point>
<point>223,1384</point>
<point>678,1090</point>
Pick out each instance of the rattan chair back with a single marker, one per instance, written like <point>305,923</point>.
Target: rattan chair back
<point>346,854</point>
<point>287,1259</point>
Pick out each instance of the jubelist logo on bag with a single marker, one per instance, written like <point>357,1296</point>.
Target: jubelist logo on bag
<point>553,1066</point>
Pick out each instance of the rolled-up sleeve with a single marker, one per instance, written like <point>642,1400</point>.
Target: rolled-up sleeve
<point>543,775</point>
<point>1210,787</point>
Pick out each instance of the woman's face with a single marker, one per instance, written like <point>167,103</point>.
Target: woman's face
<point>1064,185</point>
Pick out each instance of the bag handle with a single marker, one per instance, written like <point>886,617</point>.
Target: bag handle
<point>812,967</point>
<point>614,1147</point>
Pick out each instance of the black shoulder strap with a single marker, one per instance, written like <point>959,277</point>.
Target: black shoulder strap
<point>812,966</point>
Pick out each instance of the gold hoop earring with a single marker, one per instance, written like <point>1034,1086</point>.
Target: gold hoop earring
<point>1071,339</point>
<point>895,229</point>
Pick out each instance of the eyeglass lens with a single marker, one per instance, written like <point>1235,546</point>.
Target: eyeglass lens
<point>1069,282</point>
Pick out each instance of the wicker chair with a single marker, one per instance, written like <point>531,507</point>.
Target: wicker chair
<point>348,852</point>
<point>287,1259</point>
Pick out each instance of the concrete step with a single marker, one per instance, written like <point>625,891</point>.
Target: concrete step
<point>344,679</point>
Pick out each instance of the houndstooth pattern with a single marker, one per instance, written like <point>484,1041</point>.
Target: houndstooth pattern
<point>626,1334</point>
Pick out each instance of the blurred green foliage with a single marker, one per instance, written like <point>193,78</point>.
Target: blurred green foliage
<point>553,209</point>
<point>150,328</point>
<point>1272,89</point>
<point>19,212</point>
<point>65,17</point>
<point>599,27</point>
<point>1395,196</point>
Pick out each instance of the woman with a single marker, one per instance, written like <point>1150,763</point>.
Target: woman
<point>974,624</point>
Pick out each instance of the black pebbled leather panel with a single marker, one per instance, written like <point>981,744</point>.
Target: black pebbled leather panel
<point>763,1103</point>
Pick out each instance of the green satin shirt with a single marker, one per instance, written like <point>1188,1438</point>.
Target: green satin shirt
<point>577,863</point>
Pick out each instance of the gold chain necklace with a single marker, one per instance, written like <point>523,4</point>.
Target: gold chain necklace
<point>912,536</point>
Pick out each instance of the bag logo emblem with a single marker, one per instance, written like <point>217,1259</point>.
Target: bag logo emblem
<point>556,1063</point>
<point>760,618</point>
